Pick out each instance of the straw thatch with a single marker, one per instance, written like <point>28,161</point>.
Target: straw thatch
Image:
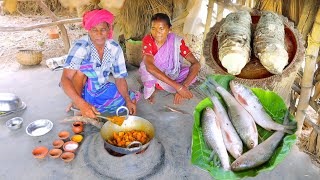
<point>31,7</point>
<point>135,16</point>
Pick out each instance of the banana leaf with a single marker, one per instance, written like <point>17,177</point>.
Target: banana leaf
<point>274,106</point>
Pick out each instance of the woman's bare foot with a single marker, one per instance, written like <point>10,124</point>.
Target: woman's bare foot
<point>151,99</point>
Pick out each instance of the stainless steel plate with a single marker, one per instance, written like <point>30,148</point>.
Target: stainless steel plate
<point>39,127</point>
<point>5,113</point>
<point>9,102</point>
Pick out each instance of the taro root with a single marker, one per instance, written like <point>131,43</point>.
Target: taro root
<point>234,41</point>
<point>268,43</point>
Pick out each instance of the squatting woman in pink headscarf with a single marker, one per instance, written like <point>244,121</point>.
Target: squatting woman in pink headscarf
<point>162,65</point>
<point>88,65</point>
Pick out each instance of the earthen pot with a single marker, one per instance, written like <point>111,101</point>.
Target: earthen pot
<point>64,135</point>
<point>57,143</point>
<point>67,156</point>
<point>70,146</point>
<point>55,153</point>
<point>40,152</point>
<point>77,127</point>
<point>77,138</point>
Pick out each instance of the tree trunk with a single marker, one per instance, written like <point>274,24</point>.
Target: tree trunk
<point>307,17</point>
<point>307,79</point>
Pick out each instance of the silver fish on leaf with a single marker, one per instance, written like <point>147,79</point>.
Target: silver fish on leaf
<point>261,153</point>
<point>252,104</point>
<point>213,137</point>
<point>230,136</point>
<point>240,118</point>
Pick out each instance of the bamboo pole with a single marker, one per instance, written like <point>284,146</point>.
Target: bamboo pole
<point>63,29</point>
<point>307,17</point>
<point>209,17</point>
<point>307,78</point>
<point>220,9</point>
<point>207,27</point>
<point>28,28</point>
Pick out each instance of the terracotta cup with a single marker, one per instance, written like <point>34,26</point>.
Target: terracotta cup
<point>77,127</point>
<point>40,152</point>
<point>77,138</point>
<point>55,153</point>
<point>57,143</point>
<point>64,135</point>
<point>70,146</point>
<point>67,156</point>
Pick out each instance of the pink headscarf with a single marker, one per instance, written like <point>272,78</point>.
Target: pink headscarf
<point>92,18</point>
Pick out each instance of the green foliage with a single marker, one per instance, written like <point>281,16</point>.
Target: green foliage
<point>274,106</point>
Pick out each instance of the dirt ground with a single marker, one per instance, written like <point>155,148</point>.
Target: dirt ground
<point>38,39</point>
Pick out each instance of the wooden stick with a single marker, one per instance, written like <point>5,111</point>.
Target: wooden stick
<point>310,123</point>
<point>28,28</point>
<point>209,17</point>
<point>207,27</point>
<point>63,29</point>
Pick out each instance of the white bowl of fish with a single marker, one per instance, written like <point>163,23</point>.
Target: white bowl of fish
<point>14,123</point>
<point>39,127</point>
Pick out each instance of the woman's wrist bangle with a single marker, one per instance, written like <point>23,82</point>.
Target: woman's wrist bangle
<point>180,88</point>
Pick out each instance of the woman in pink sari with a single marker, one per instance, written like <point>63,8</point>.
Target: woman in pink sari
<point>162,65</point>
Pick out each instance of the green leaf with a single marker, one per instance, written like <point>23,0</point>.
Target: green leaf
<point>275,107</point>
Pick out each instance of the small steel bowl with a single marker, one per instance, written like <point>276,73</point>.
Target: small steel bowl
<point>10,102</point>
<point>14,123</point>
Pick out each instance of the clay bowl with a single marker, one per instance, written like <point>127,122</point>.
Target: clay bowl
<point>70,146</point>
<point>57,143</point>
<point>64,135</point>
<point>40,152</point>
<point>77,138</point>
<point>55,153</point>
<point>67,156</point>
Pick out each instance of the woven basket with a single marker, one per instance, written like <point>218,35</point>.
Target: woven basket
<point>134,52</point>
<point>29,57</point>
